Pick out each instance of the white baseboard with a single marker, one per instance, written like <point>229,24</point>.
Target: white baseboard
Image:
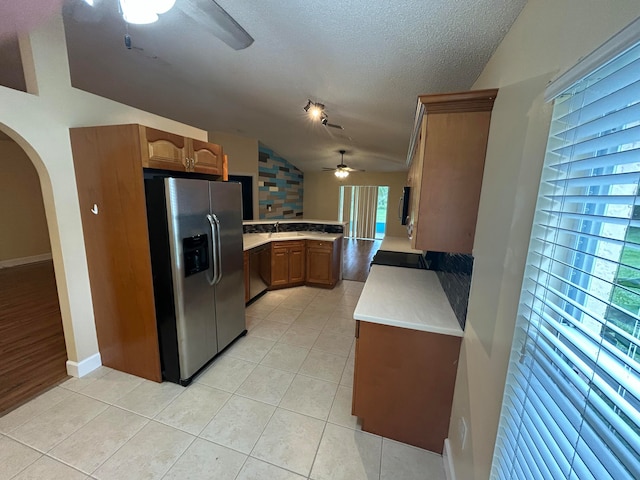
<point>448,461</point>
<point>14,262</point>
<point>82,368</point>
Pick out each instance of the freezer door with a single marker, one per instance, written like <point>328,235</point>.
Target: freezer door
<point>192,266</point>
<point>226,208</point>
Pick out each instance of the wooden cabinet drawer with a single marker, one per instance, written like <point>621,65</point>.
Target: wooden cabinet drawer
<point>320,244</point>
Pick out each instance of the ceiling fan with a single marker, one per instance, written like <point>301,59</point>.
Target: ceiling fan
<point>208,14</point>
<point>342,170</point>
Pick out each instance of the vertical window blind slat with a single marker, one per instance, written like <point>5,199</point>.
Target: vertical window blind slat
<point>572,394</point>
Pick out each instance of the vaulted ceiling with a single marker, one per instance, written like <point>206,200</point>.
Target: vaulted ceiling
<point>365,60</point>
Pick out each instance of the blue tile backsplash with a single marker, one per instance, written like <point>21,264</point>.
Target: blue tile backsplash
<point>280,187</point>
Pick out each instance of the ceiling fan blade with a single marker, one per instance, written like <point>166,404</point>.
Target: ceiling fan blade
<point>333,125</point>
<point>81,12</point>
<point>214,18</point>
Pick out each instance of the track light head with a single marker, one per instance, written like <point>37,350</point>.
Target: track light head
<point>315,109</point>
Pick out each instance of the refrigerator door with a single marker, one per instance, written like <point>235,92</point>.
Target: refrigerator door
<point>192,265</point>
<point>226,210</point>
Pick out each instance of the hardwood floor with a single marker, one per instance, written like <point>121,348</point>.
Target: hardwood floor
<point>32,350</point>
<point>357,257</point>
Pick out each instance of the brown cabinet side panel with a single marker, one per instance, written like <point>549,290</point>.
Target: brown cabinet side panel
<point>403,383</point>
<point>336,261</point>
<point>451,181</point>
<point>247,288</point>
<point>108,174</point>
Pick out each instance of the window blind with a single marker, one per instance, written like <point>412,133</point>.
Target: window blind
<point>572,396</point>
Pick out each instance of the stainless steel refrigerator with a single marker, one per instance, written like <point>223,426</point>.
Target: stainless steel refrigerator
<point>195,234</point>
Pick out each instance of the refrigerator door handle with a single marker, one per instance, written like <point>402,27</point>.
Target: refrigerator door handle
<point>214,263</point>
<point>217,252</point>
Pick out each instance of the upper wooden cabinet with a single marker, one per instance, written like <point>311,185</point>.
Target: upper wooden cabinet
<point>168,151</point>
<point>447,152</point>
<point>207,157</point>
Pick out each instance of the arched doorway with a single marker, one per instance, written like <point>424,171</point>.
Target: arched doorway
<point>32,347</point>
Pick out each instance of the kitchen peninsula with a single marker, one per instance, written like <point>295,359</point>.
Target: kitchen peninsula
<point>407,346</point>
<point>287,253</point>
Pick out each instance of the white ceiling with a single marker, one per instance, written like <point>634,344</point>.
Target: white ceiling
<point>366,60</point>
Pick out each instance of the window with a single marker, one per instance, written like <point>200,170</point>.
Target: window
<point>364,209</point>
<point>571,406</point>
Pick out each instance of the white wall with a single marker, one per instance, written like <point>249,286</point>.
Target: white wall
<point>322,195</point>
<point>39,122</point>
<point>549,36</point>
<point>243,158</point>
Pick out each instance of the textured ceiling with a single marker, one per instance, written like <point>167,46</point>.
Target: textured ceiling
<point>367,61</point>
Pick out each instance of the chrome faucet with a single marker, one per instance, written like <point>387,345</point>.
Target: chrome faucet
<point>277,225</point>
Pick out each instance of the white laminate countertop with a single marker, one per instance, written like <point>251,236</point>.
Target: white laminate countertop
<point>252,240</point>
<point>397,244</point>
<point>407,298</point>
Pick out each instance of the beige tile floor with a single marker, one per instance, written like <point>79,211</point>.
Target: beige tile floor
<point>275,406</point>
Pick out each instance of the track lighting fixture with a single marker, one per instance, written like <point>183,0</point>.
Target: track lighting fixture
<point>315,109</point>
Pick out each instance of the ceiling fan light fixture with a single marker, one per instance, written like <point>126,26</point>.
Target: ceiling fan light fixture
<point>143,12</point>
<point>341,173</point>
<point>163,6</point>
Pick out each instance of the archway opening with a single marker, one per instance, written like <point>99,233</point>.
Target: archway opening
<point>33,354</point>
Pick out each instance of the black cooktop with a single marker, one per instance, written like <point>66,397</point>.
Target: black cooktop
<point>399,259</point>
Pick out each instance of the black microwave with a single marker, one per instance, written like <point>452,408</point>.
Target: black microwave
<point>403,206</point>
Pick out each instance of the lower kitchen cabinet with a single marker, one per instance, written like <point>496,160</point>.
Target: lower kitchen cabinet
<point>403,383</point>
<point>323,262</point>
<point>287,263</point>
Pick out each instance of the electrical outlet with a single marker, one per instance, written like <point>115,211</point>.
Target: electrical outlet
<point>462,432</point>
<point>268,208</point>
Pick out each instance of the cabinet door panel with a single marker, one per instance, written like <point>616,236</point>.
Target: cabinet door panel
<point>163,150</point>
<point>279,266</point>
<point>296,265</point>
<point>207,157</point>
<point>319,265</point>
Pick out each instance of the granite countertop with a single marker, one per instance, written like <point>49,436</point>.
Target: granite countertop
<point>407,298</point>
<point>252,240</point>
